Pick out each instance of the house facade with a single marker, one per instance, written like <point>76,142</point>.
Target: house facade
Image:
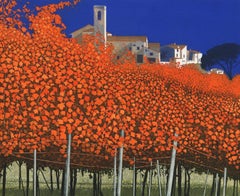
<point>174,53</point>
<point>137,45</point>
<point>180,54</point>
<point>194,57</point>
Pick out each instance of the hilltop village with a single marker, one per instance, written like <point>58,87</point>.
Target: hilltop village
<point>139,46</point>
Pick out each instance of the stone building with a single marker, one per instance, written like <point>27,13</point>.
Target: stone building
<point>137,45</point>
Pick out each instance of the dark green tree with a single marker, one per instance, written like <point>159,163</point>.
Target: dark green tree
<point>225,56</point>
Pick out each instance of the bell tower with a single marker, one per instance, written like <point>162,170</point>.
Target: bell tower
<point>100,20</point>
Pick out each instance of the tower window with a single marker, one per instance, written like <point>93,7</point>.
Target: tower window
<point>99,15</point>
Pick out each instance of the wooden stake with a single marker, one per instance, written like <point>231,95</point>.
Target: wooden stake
<point>115,174</point>
<point>35,173</point>
<point>205,185</point>
<point>150,180</point>
<point>134,177</point>
<point>172,166</point>
<point>225,181</point>
<point>159,179</point>
<point>67,165</point>
<point>216,183</point>
<point>120,167</point>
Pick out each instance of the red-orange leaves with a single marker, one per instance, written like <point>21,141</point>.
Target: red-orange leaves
<point>61,106</point>
<point>51,85</point>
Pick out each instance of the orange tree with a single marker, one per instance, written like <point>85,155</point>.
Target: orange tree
<point>51,86</point>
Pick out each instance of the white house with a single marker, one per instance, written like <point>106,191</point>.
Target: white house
<point>138,45</point>
<point>179,54</point>
<point>174,53</point>
<point>194,57</point>
<point>216,70</point>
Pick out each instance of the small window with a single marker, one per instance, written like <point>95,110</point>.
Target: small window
<point>99,15</point>
<point>151,53</point>
<point>138,48</point>
<point>139,58</point>
<point>130,48</point>
<point>152,60</point>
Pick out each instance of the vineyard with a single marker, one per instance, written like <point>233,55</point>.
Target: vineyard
<point>52,86</point>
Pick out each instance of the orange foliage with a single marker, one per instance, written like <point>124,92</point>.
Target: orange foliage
<point>51,85</point>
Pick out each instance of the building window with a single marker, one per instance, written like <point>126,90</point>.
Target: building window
<point>138,48</point>
<point>99,15</point>
<point>130,48</point>
<point>139,58</point>
<point>151,60</point>
<point>151,53</point>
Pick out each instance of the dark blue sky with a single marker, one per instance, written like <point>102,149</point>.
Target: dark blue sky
<point>201,24</point>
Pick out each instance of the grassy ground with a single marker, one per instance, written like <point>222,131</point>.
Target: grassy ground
<point>126,191</point>
<point>84,184</point>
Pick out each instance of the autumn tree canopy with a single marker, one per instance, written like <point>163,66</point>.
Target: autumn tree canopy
<point>50,86</point>
<point>225,56</point>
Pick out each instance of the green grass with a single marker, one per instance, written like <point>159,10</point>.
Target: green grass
<point>84,184</point>
<point>126,191</point>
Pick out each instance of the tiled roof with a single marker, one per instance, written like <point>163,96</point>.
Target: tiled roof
<point>126,38</point>
<point>87,28</point>
<point>154,46</point>
<point>194,51</point>
<point>175,46</point>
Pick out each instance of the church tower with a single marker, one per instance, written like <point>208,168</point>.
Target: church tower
<point>100,20</point>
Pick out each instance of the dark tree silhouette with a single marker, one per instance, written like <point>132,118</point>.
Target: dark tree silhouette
<point>225,57</point>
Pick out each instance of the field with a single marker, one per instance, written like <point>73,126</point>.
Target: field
<point>85,187</point>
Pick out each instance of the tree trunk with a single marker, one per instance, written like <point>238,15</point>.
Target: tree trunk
<point>4,180</point>
<point>71,182</point>
<point>100,184</point>
<point>20,175</point>
<point>94,184</point>
<point>189,183</point>
<point>179,180</point>
<point>144,182</point>
<point>234,187</point>
<point>219,186</point>
<point>75,181</point>
<point>57,179</point>
<point>63,182</point>
<point>135,187</point>
<point>27,178</point>
<point>213,185</point>
<point>38,188</point>
<point>174,182</point>
<point>185,182</point>
<point>51,179</point>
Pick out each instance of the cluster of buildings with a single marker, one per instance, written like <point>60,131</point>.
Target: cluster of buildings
<point>139,46</point>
